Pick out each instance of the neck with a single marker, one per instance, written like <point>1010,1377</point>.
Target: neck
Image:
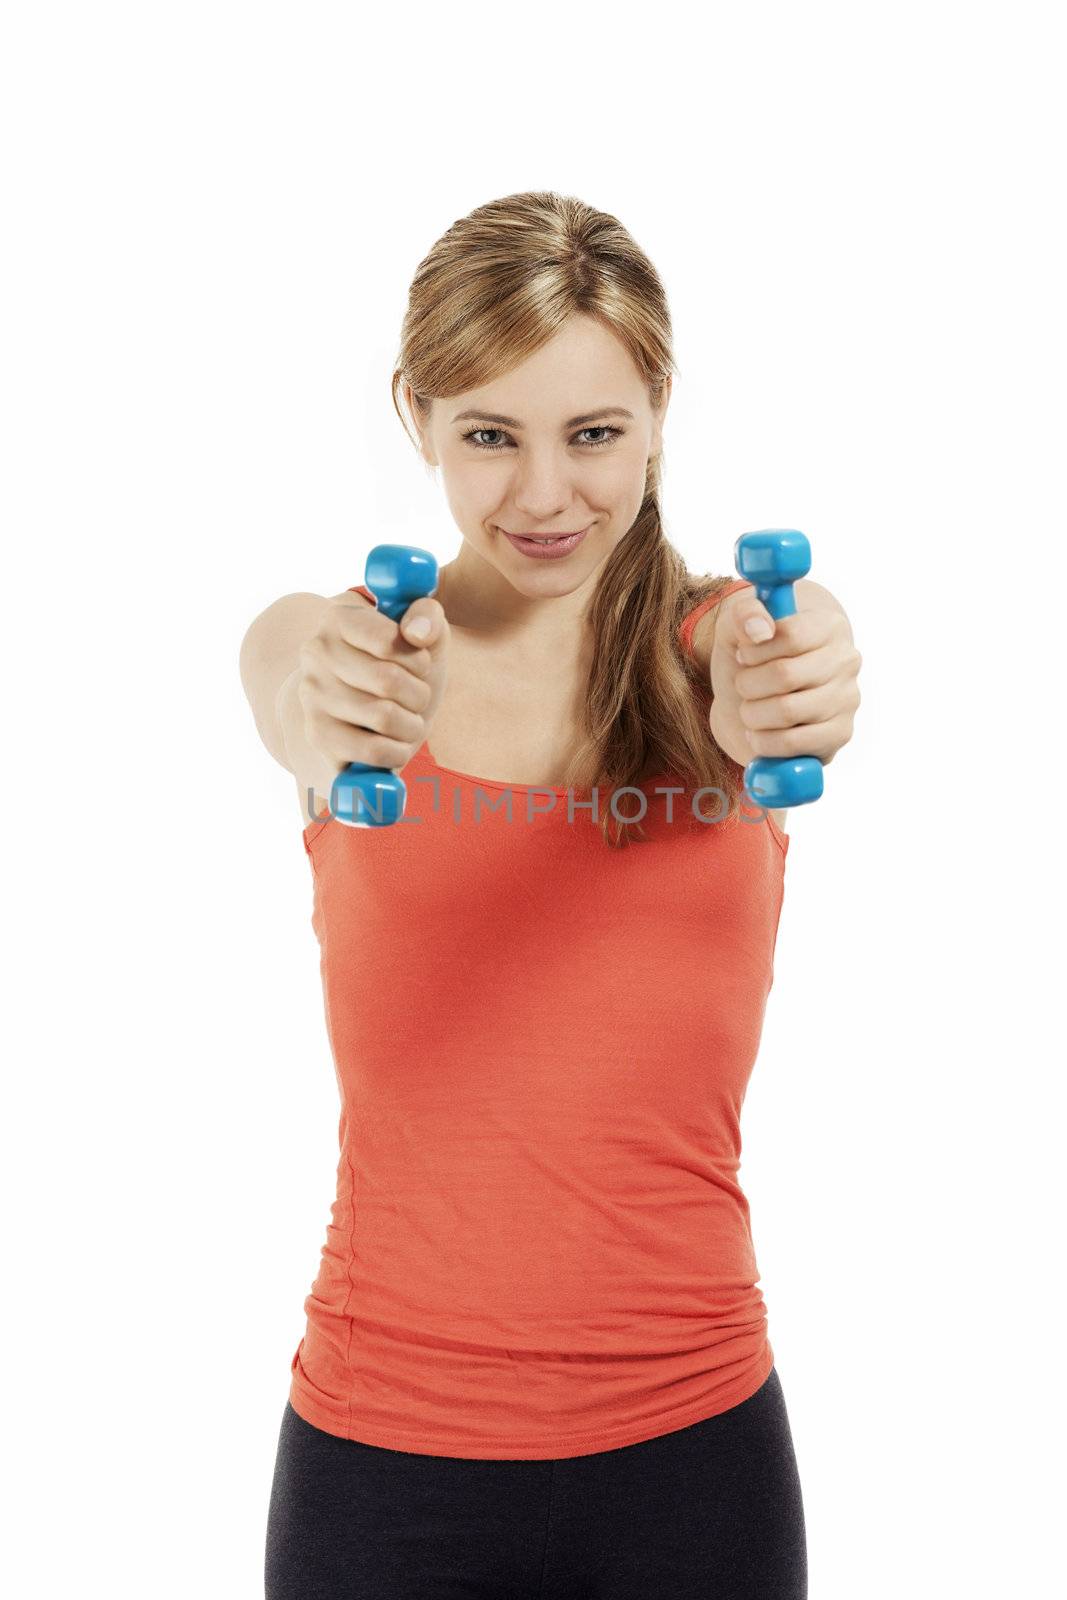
<point>545,630</point>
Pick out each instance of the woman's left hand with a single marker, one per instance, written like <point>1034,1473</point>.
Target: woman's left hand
<point>793,694</point>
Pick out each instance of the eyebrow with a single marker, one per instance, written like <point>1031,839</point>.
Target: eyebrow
<point>572,422</point>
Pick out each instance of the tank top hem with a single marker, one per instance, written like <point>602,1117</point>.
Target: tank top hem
<point>312,1411</point>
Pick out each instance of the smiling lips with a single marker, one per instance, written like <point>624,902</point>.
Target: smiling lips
<point>543,538</point>
<point>545,546</point>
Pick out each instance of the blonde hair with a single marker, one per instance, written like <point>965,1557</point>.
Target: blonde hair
<point>497,286</point>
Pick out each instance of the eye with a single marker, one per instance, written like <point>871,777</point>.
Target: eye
<point>594,444</point>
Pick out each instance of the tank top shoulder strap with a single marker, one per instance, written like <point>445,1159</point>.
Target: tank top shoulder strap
<point>689,622</point>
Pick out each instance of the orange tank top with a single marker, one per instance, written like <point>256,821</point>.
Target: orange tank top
<point>539,1247</point>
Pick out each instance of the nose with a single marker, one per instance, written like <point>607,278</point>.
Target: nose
<point>543,486</point>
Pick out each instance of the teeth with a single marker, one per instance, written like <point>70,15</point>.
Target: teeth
<point>536,538</point>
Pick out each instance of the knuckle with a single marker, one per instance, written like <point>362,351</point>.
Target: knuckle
<point>397,679</point>
<point>382,750</point>
<point>348,622</point>
<point>386,679</point>
<point>353,744</point>
<point>394,721</point>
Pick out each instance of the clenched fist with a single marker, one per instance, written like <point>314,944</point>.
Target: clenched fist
<point>368,686</point>
<point>791,692</point>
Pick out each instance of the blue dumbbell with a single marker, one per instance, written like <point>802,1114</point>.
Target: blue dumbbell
<point>373,797</point>
<point>773,560</point>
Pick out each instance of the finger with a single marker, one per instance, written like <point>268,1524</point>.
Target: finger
<point>367,629</point>
<point>804,630</point>
<point>777,711</point>
<point>819,739</point>
<point>385,677</point>
<point>783,674</point>
<point>347,742</point>
<point>371,633</point>
<point>362,710</point>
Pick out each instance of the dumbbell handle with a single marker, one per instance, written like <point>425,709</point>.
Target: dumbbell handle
<point>772,559</point>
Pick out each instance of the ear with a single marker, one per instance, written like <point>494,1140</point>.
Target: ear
<point>424,447</point>
<point>660,415</point>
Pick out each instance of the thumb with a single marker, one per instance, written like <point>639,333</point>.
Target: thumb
<point>749,620</point>
<point>421,622</point>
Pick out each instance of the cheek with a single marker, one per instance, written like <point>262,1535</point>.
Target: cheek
<point>624,475</point>
<point>470,495</point>
<point>624,492</point>
<point>476,488</point>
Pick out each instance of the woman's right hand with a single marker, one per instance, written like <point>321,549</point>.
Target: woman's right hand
<point>369,691</point>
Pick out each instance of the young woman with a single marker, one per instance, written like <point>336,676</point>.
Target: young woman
<point>536,1357</point>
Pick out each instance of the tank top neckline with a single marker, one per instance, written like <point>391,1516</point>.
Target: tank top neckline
<point>424,755</point>
<point>430,760</point>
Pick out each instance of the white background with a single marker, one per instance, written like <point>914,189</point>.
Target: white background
<point>212,215</point>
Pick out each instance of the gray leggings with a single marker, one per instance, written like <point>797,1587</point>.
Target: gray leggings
<point>711,1511</point>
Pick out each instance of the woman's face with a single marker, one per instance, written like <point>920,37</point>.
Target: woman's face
<point>547,450</point>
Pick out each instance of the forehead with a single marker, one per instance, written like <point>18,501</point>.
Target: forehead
<point>582,367</point>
